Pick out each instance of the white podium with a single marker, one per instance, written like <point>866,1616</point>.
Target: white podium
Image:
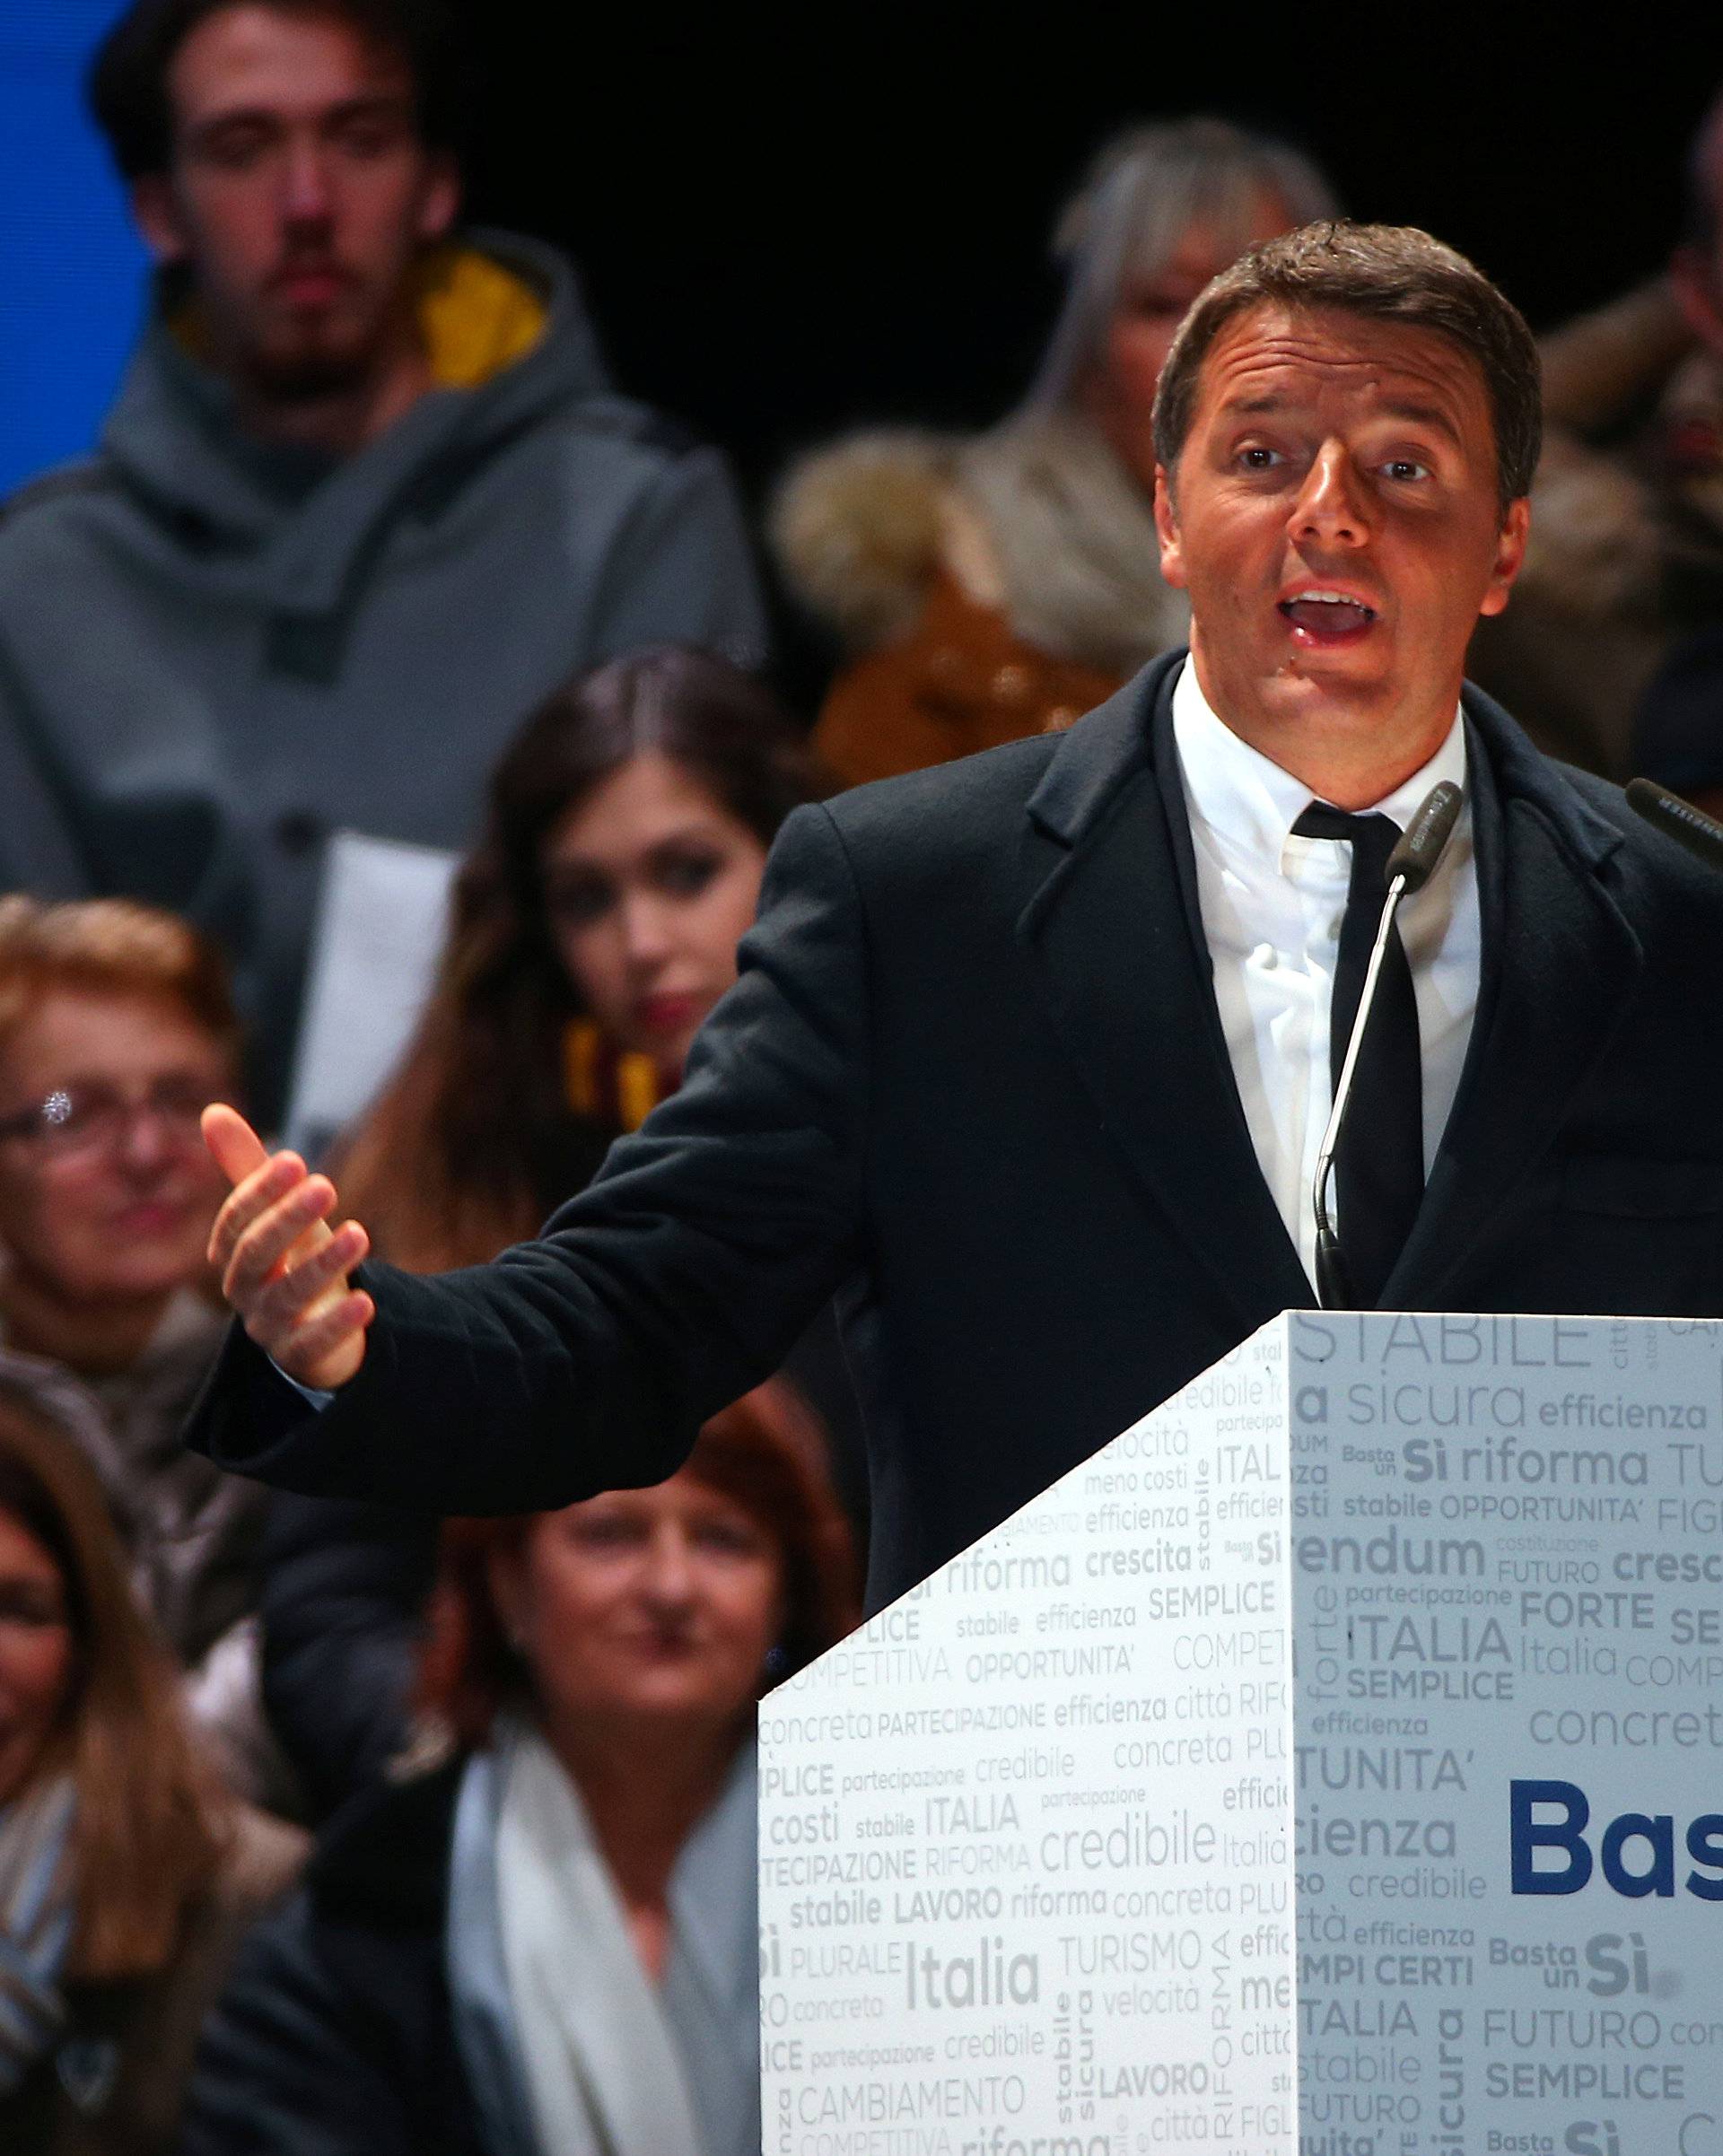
<point>1329,1767</point>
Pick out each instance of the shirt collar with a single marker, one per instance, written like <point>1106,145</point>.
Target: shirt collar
<point>1248,802</point>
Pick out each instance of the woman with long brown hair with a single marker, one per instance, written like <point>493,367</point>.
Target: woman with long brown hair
<point>593,928</point>
<point>126,1875</point>
<point>547,1945</point>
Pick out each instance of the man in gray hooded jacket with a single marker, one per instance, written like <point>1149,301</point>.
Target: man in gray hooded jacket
<point>364,498</point>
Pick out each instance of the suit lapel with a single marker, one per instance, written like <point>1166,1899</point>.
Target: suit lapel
<point>1559,964</point>
<point>1116,937</point>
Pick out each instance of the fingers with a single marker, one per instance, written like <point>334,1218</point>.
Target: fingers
<point>264,1247</point>
<point>282,1178</point>
<point>295,1294</point>
<point>283,1269</point>
<point>330,1348</point>
<point>306,1318</point>
<point>236,1147</point>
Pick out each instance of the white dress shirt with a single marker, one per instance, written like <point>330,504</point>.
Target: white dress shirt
<point>1272,906</point>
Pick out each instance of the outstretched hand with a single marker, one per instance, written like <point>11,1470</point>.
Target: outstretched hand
<point>282,1266</point>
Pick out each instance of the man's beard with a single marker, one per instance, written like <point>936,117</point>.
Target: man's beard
<point>292,363</point>
<point>310,377</point>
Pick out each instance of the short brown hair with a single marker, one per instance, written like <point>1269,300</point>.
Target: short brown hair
<point>116,948</point>
<point>128,85</point>
<point>150,1819</point>
<point>767,1454</point>
<point>1386,273</point>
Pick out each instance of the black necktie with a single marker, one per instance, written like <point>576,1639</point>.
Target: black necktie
<point>1379,1163</point>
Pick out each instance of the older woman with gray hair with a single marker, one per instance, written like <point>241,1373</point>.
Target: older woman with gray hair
<point>996,587</point>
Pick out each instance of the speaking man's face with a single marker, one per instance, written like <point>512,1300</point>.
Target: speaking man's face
<point>1335,518</point>
<point>300,195</point>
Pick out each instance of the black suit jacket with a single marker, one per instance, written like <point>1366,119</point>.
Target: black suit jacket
<point>973,1066</point>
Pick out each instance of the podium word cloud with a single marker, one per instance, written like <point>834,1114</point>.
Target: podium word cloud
<point>1329,1767</point>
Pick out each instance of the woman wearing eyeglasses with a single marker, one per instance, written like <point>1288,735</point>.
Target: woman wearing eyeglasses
<point>115,1025</point>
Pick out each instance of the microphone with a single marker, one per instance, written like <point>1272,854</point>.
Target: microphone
<point>1424,840</point>
<point>1409,866</point>
<point>1677,819</point>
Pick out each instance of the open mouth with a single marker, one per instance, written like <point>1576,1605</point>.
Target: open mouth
<point>1326,617</point>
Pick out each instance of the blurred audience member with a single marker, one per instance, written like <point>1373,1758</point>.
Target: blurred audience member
<point>364,498</point>
<point>1625,562</point>
<point>1002,586</point>
<point>116,1027</point>
<point>594,928</point>
<point>1678,735</point>
<point>552,1948</point>
<point>127,1878</point>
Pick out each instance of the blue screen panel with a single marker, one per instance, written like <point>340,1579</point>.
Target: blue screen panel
<point>72,269</point>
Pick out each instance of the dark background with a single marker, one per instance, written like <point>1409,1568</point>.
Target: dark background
<point>792,220</point>
<point>795,218</point>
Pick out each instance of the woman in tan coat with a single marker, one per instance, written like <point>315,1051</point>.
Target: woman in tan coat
<point>999,586</point>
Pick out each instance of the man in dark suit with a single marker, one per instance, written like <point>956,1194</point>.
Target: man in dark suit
<point>1035,1051</point>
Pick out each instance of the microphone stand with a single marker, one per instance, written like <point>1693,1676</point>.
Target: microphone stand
<point>1333,1288</point>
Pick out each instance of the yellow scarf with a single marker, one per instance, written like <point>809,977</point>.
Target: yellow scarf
<point>476,318</point>
<point>618,1087</point>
